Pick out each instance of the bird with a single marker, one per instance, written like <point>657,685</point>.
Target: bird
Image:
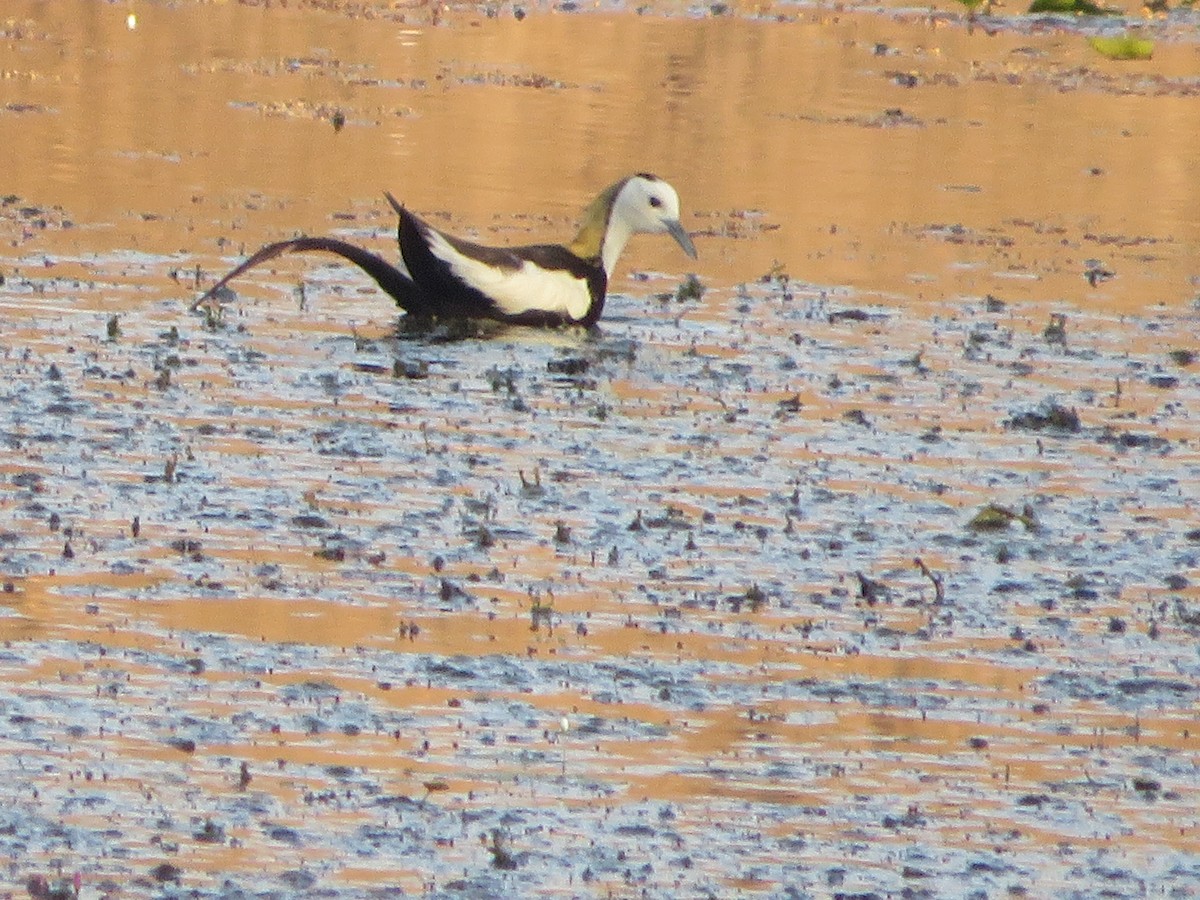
<point>445,277</point>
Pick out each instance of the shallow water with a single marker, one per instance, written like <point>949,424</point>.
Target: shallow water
<point>629,613</point>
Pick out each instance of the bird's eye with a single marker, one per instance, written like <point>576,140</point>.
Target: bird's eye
<point>655,202</point>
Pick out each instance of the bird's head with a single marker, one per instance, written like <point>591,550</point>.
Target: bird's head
<point>639,204</point>
<point>645,204</point>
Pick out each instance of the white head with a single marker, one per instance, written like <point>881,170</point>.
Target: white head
<point>640,204</point>
<point>645,204</point>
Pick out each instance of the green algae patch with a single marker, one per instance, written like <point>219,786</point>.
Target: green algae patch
<point>1123,47</point>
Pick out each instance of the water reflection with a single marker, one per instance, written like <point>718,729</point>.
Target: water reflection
<point>203,108</point>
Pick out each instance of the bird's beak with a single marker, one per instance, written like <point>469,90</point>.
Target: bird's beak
<point>676,231</point>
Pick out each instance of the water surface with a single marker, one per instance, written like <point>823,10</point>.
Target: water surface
<point>295,602</point>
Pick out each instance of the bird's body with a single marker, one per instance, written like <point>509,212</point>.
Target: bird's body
<point>442,276</point>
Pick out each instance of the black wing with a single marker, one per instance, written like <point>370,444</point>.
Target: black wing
<point>452,298</point>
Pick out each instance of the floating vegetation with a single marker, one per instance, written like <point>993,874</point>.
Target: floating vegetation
<point>1049,415</point>
<point>1073,7</point>
<point>994,517</point>
<point>412,369</point>
<point>690,289</point>
<point>303,109</point>
<point>541,613</point>
<point>570,366</point>
<point>871,590</point>
<point>1056,331</point>
<point>1125,47</point>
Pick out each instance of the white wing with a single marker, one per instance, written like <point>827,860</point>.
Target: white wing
<point>515,291</point>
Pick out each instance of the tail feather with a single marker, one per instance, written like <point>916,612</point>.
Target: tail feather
<point>395,203</point>
<point>394,282</point>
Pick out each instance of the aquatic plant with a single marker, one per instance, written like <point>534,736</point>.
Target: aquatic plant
<point>994,517</point>
<point>973,6</point>
<point>1077,7</point>
<point>690,289</point>
<point>1123,46</point>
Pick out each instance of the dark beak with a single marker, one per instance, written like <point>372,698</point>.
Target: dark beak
<point>676,231</point>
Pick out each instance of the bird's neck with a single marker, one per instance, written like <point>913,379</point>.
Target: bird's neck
<point>616,236</point>
<point>601,235</point>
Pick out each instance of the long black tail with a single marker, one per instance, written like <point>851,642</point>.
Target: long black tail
<point>397,285</point>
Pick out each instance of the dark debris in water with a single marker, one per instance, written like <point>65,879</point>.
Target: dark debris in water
<point>685,600</point>
<point>1048,416</point>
